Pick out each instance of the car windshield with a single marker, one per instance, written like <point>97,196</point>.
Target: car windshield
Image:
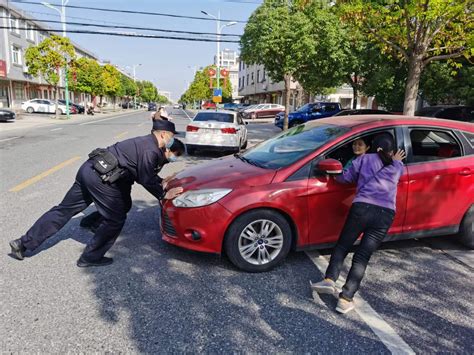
<point>304,108</point>
<point>292,145</point>
<point>214,116</point>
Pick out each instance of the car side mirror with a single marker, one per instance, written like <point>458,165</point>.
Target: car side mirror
<point>329,167</point>
<point>246,123</point>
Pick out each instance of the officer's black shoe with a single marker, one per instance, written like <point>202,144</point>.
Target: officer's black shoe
<point>101,262</point>
<point>18,249</point>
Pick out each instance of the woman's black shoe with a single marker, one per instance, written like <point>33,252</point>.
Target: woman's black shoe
<point>101,262</point>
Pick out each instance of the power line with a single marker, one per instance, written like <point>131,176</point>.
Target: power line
<point>126,27</point>
<point>128,11</point>
<point>128,34</point>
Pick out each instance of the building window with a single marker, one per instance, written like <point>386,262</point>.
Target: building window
<point>14,25</point>
<point>252,79</point>
<point>30,32</point>
<point>247,79</point>
<point>263,76</point>
<point>16,55</point>
<point>258,76</point>
<point>19,91</point>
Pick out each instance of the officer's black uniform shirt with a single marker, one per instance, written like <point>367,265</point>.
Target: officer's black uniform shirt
<point>141,156</point>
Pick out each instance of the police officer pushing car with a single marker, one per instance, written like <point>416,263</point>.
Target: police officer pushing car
<point>106,179</point>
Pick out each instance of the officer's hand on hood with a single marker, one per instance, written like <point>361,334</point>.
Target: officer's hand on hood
<point>167,179</point>
<point>174,192</point>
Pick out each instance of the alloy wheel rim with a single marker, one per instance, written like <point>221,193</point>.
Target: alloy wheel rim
<point>260,242</point>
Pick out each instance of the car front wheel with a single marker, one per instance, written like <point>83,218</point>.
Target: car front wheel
<point>466,230</point>
<point>258,240</point>
<point>30,110</point>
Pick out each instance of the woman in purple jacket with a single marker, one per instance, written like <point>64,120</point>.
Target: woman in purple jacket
<point>372,213</point>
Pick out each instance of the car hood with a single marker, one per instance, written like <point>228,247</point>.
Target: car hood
<point>227,172</point>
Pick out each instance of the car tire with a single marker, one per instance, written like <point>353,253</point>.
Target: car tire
<point>190,151</point>
<point>59,111</point>
<point>244,146</point>
<point>280,236</point>
<point>466,229</point>
<point>30,110</point>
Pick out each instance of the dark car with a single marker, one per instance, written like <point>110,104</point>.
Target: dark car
<point>362,112</point>
<point>231,106</point>
<point>6,115</point>
<point>456,113</point>
<point>77,108</point>
<point>151,106</point>
<point>308,112</point>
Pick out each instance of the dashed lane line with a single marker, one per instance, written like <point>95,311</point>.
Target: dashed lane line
<point>121,135</point>
<point>9,139</point>
<point>380,327</point>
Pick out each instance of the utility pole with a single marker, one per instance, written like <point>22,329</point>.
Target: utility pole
<point>62,13</point>
<point>134,66</point>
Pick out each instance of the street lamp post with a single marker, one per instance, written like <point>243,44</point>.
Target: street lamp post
<point>218,38</point>
<point>134,66</point>
<point>62,13</point>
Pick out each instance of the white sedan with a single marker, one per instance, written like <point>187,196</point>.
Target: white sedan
<point>42,105</point>
<point>216,130</point>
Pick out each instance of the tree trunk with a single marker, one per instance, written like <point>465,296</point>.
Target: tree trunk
<point>287,100</point>
<point>415,67</point>
<point>56,102</point>
<point>354,96</point>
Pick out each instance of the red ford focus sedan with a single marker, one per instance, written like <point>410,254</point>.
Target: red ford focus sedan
<point>282,195</point>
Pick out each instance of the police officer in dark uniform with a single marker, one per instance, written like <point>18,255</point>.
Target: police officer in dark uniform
<point>133,160</point>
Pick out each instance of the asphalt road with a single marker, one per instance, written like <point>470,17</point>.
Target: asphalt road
<point>416,297</point>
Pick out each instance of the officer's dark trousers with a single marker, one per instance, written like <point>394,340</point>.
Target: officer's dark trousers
<point>112,201</point>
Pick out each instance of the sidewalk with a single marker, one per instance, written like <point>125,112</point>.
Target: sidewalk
<point>25,120</point>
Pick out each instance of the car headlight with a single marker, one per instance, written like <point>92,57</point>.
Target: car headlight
<point>199,198</point>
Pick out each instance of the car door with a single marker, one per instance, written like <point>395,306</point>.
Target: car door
<point>42,106</point>
<point>242,129</point>
<point>329,201</point>
<point>440,179</point>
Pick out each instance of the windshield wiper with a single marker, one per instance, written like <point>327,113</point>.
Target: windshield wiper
<point>248,161</point>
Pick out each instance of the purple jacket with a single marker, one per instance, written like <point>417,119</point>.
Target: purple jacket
<point>376,184</point>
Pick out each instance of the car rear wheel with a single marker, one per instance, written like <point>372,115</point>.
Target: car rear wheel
<point>30,110</point>
<point>466,230</point>
<point>190,151</point>
<point>59,111</point>
<point>258,240</point>
<point>244,146</point>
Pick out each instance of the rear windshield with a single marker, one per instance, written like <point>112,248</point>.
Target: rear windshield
<point>214,116</point>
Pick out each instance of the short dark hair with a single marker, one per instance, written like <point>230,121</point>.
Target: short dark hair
<point>178,147</point>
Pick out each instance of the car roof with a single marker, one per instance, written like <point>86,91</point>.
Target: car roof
<point>367,121</point>
<point>218,111</point>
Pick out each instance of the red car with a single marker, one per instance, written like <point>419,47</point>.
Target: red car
<point>280,195</point>
<point>208,105</point>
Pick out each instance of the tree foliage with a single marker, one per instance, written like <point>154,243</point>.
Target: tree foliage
<point>415,31</point>
<point>88,76</point>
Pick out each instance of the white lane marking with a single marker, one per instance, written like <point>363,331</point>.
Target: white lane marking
<point>186,114</point>
<point>382,329</point>
<point>9,139</point>
<point>56,129</point>
<point>109,118</point>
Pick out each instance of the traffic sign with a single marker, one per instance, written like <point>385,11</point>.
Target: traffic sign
<point>217,99</point>
<point>217,92</point>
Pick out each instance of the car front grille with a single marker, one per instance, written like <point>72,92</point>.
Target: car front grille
<point>168,225</point>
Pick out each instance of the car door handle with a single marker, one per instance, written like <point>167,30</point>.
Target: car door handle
<point>465,172</point>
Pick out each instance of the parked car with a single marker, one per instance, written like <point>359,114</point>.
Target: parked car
<point>361,111</point>
<point>457,113</point>
<point>281,195</point>
<point>308,112</point>
<point>151,106</point>
<point>177,106</point>
<point>208,105</point>
<point>43,106</point>
<point>263,111</point>
<point>216,130</point>
<point>73,108</point>
<point>231,106</point>
<point>6,115</point>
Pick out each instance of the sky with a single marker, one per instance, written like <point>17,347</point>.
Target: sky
<point>169,64</point>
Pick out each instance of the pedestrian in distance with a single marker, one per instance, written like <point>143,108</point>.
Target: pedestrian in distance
<point>93,220</point>
<point>106,179</point>
<point>371,214</point>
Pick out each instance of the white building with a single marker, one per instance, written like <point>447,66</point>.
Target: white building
<point>229,59</point>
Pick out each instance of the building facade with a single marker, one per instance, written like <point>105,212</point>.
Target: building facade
<point>18,33</point>
<point>229,59</point>
<point>255,86</point>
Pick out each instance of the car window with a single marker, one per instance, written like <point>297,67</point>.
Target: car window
<point>454,113</point>
<point>240,120</point>
<point>214,116</point>
<point>329,107</point>
<point>430,145</point>
<point>344,152</point>
<point>469,138</point>
<point>292,145</point>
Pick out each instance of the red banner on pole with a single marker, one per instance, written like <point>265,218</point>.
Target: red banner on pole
<point>3,69</point>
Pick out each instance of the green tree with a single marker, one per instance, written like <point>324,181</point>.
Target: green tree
<point>111,85</point>
<point>48,58</point>
<point>88,76</point>
<point>418,32</point>
<point>277,35</point>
